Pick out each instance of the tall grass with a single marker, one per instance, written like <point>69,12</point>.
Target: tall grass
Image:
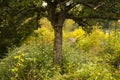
<point>87,57</point>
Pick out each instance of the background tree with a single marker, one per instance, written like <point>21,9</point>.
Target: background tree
<point>17,13</point>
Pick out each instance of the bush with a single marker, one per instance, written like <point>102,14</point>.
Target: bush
<point>27,62</point>
<point>90,57</point>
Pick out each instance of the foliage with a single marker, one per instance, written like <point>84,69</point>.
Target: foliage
<point>19,18</point>
<point>85,59</point>
<point>41,35</point>
<point>29,63</point>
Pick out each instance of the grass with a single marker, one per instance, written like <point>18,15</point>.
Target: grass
<point>84,59</point>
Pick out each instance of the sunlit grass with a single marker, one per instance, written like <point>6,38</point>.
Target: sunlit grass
<point>85,57</point>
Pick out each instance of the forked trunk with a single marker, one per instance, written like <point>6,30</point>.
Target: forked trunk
<point>57,45</point>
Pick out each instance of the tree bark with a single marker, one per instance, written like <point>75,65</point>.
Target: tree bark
<point>57,20</point>
<point>57,49</point>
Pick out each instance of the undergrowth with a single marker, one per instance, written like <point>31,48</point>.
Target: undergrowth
<point>85,57</point>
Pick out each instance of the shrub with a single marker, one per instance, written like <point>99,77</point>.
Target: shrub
<point>27,63</point>
<point>90,57</point>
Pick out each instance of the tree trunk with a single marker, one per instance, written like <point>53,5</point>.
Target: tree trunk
<point>57,49</point>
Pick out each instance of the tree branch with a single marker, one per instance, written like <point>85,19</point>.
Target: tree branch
<point>89,4</point>
<point>71,16</point>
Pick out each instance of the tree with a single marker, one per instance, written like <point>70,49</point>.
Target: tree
<point>83,12</point>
